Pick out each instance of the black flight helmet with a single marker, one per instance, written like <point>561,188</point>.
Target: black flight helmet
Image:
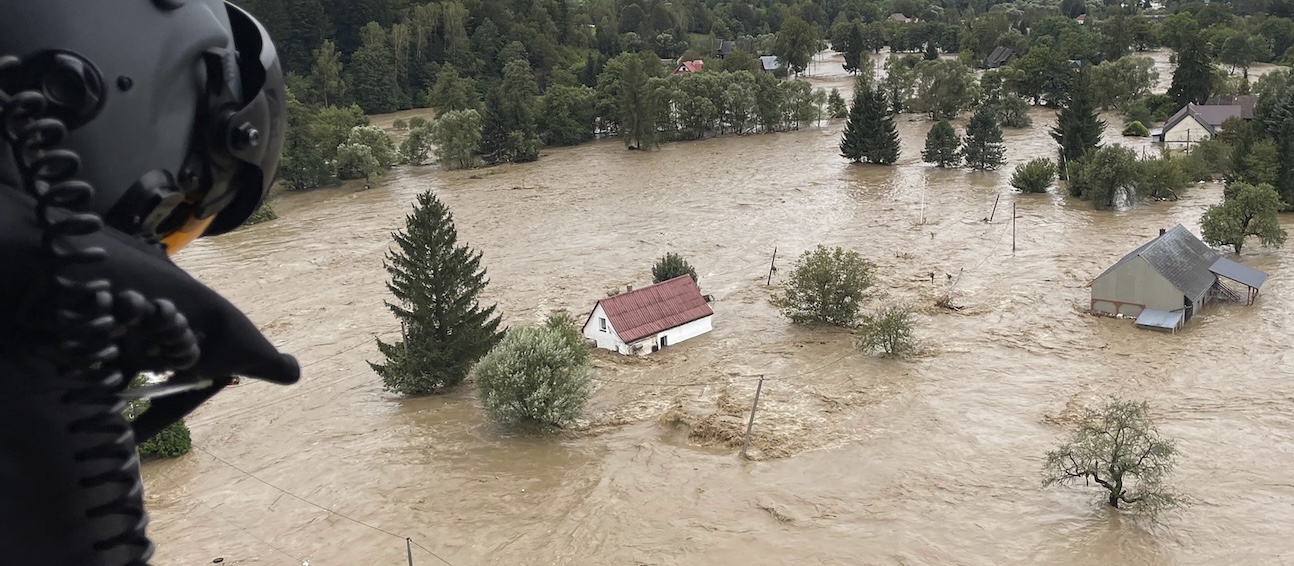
<point>175,107</point>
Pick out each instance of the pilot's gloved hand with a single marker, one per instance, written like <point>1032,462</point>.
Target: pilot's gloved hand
<point>230,344</point>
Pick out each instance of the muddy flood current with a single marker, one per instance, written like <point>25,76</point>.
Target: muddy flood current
<point>854,459</point>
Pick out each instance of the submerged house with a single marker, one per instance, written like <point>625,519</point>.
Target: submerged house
<point>1195,123</point>
<point>769,63</point>
<point>645,320</point>
<point>1001,55</point>
<point>1167,280</point>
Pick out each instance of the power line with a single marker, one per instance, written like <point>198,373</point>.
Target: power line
<point>316,505</point>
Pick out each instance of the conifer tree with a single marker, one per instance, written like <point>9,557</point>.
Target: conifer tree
<point>373,81</point>
<point>1193,77</point>
<point>983,148</point>
<point>510,133</point>
<point>836,104</point>
<point>437,284</point>
<point>1078,128</point>
<point>884,147</point>
<point>941,145</point>
<point>854,142</point>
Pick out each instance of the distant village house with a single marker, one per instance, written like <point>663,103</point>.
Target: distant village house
<point>1198,122</point>
<point>685,67</point>
<point>900,18</point>
<point>1166,281</point>
<point>726,47</point>
<point>645,320</point>
<point>1000,56</point>
<point>769,63</point>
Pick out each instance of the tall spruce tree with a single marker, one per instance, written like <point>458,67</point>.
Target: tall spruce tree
<point>1193,77</point>
<point>884,146</point>
<point>1078,127</point>
<point>941,145</point>
<point>854,48</point>
<point>437,284</point>
<point>854,141</point>
<point>983,149</point>
<point>510,133</point>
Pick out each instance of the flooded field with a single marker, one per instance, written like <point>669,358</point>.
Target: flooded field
<point>855,460</point>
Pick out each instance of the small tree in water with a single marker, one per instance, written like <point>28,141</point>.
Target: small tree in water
<point>437,284</point>
<point>1119,449</point>
<point>827,286</point>
<point>941,145</point>
<point>1249,210</point>
<point>1035,176</point>
<point>983,149</point>
<point>417,147</point>
<point>836,105</point>
<point>672,265</point>
<point>537,377</point>
<point>888,330</point>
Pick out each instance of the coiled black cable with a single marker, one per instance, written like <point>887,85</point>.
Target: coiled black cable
<point>90,320</point>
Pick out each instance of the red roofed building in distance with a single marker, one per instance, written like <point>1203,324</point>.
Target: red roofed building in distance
<point>645,320</point>
<point>689,67</point>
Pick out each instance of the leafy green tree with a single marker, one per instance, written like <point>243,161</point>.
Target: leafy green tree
<point>870,134</point>
<point>1193,78</point>
<point>304,165</point>
<point>888,330</point>
<point>566,115</point>
<point>900,81</point>
<point>1035,176</point>
<point>1117,83</point>
<point>941,145</point>
<point>1241,50</point>
<point>437,285</point>
<point>1105,175</point>
<point>1078,127</point>
<point>1178,29</point>
<point>1261,163</point>
<point>983,148</point>
<point>1042,74</point>
<point>1136,129</point>
<point>836,108</point>
<point>416,148</point>
<point>944,87</point>
<point>672,265</point>
<point>1010,110</point>
<point>456,135</point>
<point>356,161</point>
<point>635,106</point>
<point>376,138</point>
<point>452,92</point>
<point>326,76</point>
<point>1162,177</point>
<point>418,122</point>
<point>739,60</point>
<point>796,43</point>
<point>400,125</point>
<point>1248,210</point>
<point>509,132</point>
<point>373,81</point>
<point>1118,448</point>
<point>827,286</point>
<point>537,378</point>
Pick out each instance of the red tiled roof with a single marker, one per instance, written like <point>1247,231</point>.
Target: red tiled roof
<point>646,311</point>
<point>689,66</point>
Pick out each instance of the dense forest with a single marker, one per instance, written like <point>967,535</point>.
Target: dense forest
<point>507,77</point>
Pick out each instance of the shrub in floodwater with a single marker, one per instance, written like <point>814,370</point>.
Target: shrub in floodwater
<point>1034,176</point>
<point>672,265</point>
<point>263,213</point>
<point>537,377</point>
<point>1118,448</point>
<point>399,124</point>
<point>170,442</point>
<point>888,330</point>
<point>1136,128</point>
<point>417,147</point>
<point>826,286</point>
<point>437,284</point>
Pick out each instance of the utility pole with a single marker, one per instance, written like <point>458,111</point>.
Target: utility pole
<point>772,267</point>
<point>1013,227</point>
<point>991,214</point>
<point>751,424</point>
<point>408,547</point>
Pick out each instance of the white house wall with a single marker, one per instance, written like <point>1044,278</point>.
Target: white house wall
<point>675,335</point>
<point>1185,134</point>
<point>607,340</point>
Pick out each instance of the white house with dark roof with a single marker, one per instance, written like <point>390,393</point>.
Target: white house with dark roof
<point>1167,280</point>
<point>645,320</point>
<point>1195,123</point>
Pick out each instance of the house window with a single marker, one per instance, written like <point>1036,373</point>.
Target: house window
<point>602,324</point>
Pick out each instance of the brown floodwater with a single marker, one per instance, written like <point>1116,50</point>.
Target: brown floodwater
<point>854,459</point>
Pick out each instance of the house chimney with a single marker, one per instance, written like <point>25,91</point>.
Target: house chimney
<point>629,287</point>
<point>1162,231</point>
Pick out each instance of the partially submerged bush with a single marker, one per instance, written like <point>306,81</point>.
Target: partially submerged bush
<point>536,378</point>
<point>672,265</point>
<point>1035,176</point>
<point>263,213</point>
<point>1136,128</point>
<point>888,330</point>
<point>827,286</point>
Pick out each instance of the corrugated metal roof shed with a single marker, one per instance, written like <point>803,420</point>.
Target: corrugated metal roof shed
<point>1164,320</point>
<point>646,311</point>
<point>1236,272</point>
<point>1181,258</point>
<point>769,62</point>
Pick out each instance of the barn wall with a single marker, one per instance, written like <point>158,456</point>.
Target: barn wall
<point>1130,288</point>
